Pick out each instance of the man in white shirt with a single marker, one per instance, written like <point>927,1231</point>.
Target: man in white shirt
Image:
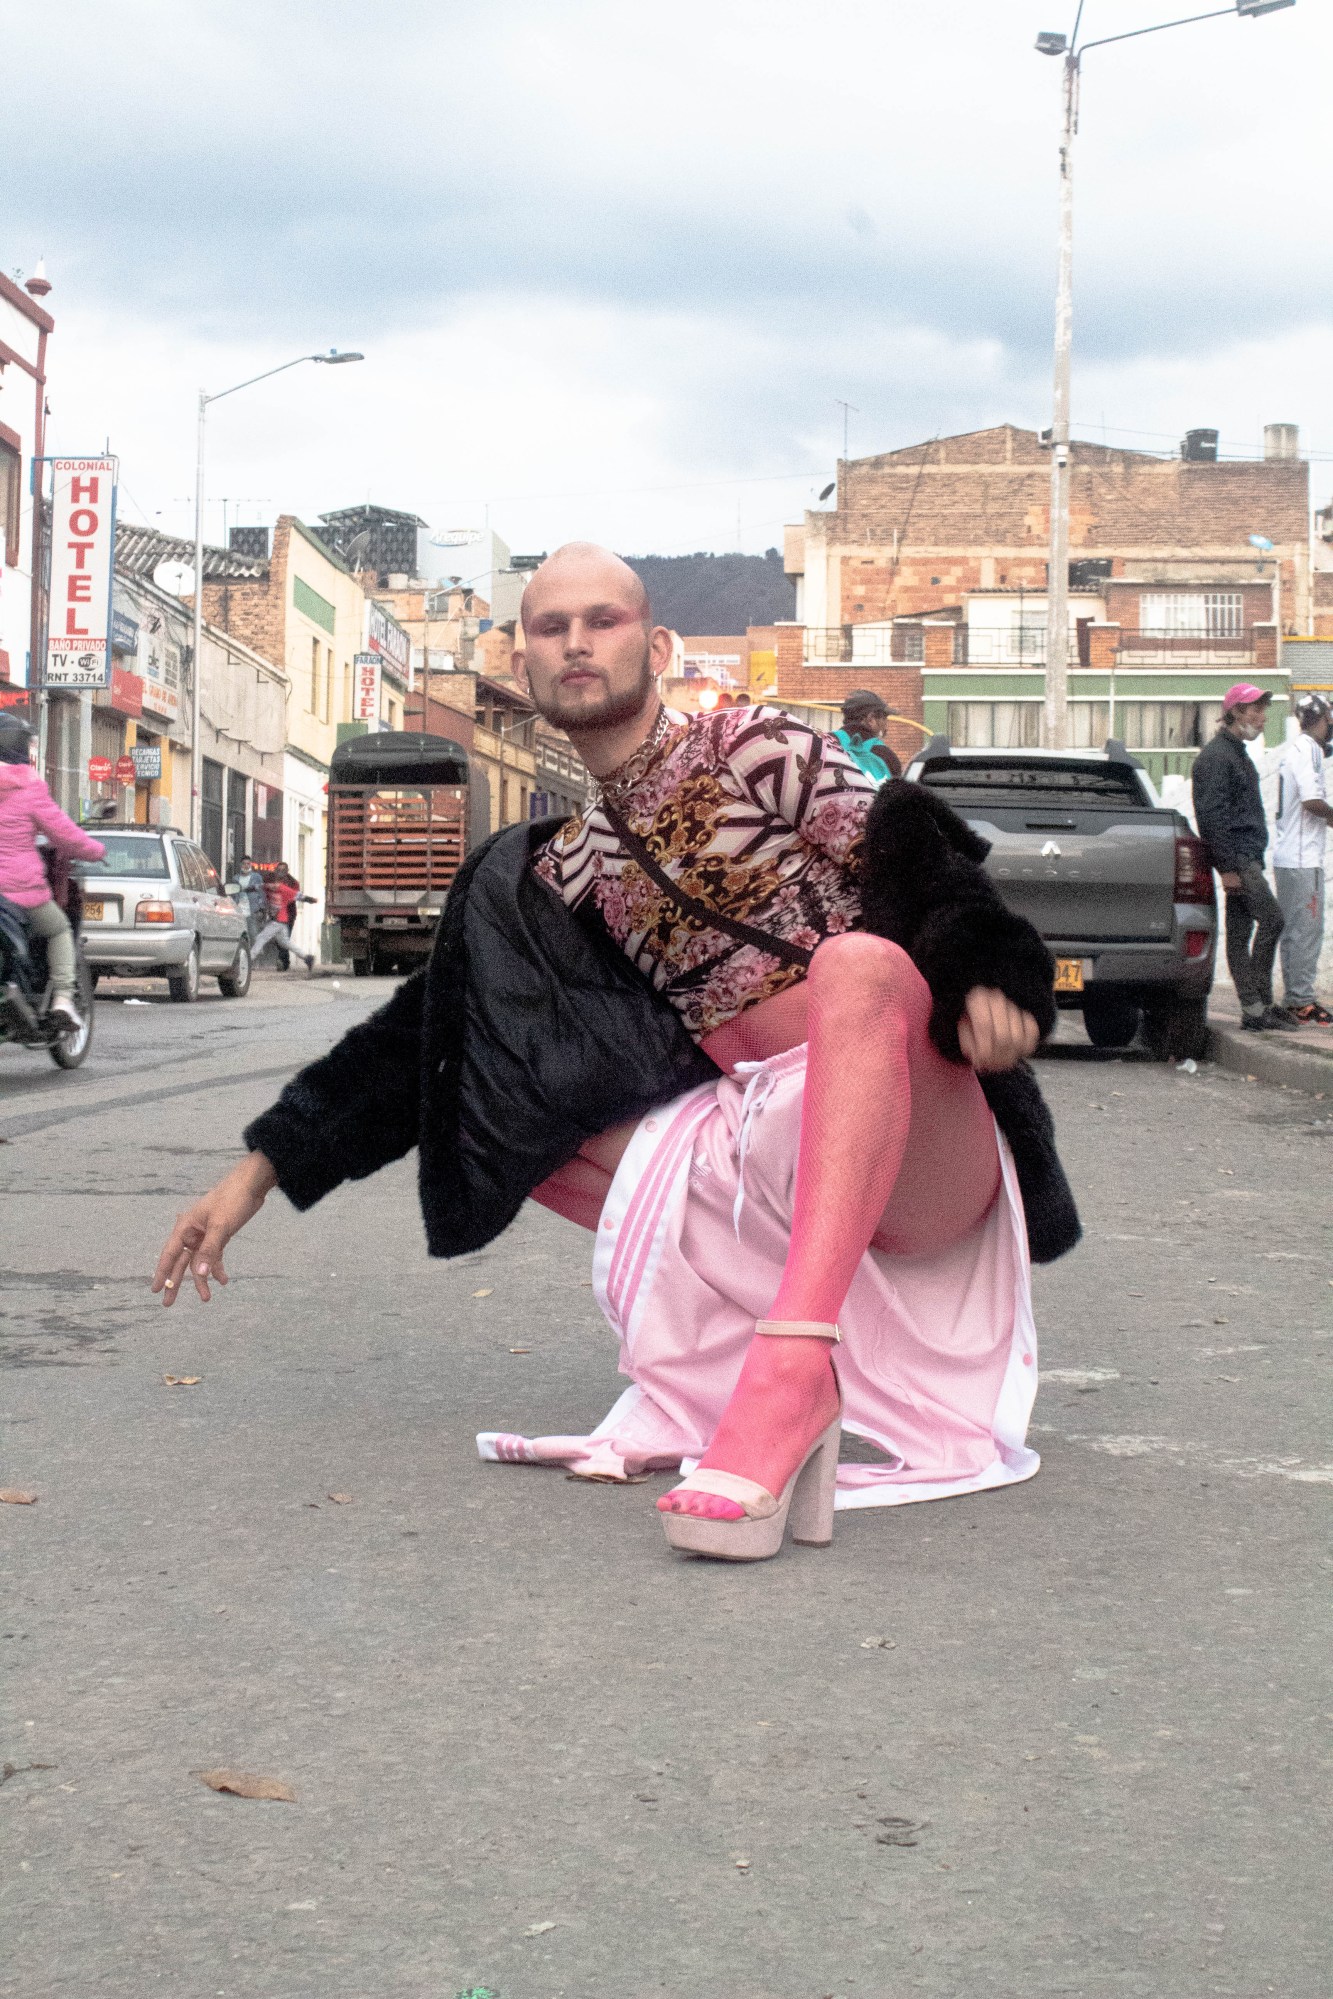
<point>1303,818</point>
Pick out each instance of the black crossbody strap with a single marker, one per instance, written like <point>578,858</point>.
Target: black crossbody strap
<point>691,905</point>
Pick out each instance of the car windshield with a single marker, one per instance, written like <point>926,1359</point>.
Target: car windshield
<point>1045,781</point>
<point>137,857</point>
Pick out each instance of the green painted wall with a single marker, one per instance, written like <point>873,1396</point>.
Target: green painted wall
<point>311,605</point>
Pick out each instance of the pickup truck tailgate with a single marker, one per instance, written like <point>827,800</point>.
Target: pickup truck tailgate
<point>1091,876</point>
<point>1083,868</point>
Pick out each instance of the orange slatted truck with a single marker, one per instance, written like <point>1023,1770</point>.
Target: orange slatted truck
<point>398,831</point>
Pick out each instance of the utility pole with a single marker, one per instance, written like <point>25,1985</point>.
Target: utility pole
<point>848,410</point>
<point>1055,713</point>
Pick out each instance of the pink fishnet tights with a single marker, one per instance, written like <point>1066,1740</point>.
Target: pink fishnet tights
<point>897,1148</point>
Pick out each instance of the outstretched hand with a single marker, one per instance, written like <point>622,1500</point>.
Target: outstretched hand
<point>203,1231</point>
<point>993,1033</point>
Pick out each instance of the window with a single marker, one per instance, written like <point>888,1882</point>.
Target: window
<point>908,643</point>
<point>1167,725</point>
<point>345,711</point>
<point>211,785</point>
<point>132,857</point>
<point>995,725</point>
<point>314,676</point>
<point>326,705</point>
<point>1203,614</point>
<point>1089,724</point>
<point>11,496</point>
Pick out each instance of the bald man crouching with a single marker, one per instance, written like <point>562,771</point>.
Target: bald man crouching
<point>734,1019</point>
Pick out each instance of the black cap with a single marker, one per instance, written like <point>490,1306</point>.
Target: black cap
<point>862,700</point>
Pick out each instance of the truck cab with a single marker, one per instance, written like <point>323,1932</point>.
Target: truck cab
<point>398,831</point>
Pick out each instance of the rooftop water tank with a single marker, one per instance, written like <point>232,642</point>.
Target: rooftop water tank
<point>1282,440</point>
<point>1199,447</point>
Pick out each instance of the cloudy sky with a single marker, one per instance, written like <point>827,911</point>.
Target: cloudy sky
<point>612,266</point>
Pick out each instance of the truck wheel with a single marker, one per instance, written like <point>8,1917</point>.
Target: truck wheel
<point>1110,1023</point>
<point>1177,1032</point>
<point>361,967</point>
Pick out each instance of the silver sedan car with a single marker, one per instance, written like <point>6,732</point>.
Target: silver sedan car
<point>154,907</point>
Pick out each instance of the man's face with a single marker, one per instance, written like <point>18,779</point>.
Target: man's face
<point>590,658</point>
<point>1248,721</point>
<point>867,723</point>
<point>1321,729</point>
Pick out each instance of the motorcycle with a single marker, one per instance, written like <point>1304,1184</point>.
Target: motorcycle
<point>25,986</point>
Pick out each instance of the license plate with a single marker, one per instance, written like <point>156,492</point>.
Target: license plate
<point>94,912</point>
<point>394,922</point>
<point>1069,975</point>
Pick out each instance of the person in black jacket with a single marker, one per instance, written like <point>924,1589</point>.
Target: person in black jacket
<point>1229,813</point>
<point>718,880</point>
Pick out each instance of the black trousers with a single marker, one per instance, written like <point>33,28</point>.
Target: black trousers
<point>1254,924</point>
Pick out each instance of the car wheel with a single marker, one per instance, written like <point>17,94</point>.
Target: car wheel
<point>183,984</point>
<point>235,983</point>
<point>1111,1023</point>
<point>68,1050</point>
<point>1177,1032</point>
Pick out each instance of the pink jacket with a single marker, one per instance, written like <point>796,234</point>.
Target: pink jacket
<point>27,809</point>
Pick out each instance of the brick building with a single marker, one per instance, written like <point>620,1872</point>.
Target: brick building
<point>930,573</point>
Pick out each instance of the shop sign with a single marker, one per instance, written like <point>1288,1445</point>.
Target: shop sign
<point>160,671</point>
<point>125,770</point>
<point>366,689</point>
<point>126,692</point>
<point>99,770</point>
<point>386,636</point>
<point>147,760</point>
<point>124,632</point>
<point>83,533</point>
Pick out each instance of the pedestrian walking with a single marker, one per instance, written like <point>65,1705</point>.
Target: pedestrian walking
<point>283,892</point>
<point>864,720</point>
<point>1229,812</point>
<point>1300,837</point>
<point>251,897</point>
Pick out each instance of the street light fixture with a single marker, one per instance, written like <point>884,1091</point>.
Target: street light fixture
<point>1055,712</point>
<point>333,359</point>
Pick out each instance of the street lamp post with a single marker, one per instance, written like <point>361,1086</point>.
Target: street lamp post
<point>1055,711</point>
<point>332,359</point>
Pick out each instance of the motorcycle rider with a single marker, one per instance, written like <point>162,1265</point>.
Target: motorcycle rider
<point>27,809</point>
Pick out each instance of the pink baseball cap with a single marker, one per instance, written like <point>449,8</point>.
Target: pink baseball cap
<point>1242,694</point>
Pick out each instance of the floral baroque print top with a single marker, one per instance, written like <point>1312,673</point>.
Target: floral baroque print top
<point>750,812</point>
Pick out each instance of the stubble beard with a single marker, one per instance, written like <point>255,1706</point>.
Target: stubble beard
<point>582,718</point>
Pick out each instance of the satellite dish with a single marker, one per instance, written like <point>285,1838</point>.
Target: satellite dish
<point>455,538</point>
<point>828,489</point>
<point>175,577</point>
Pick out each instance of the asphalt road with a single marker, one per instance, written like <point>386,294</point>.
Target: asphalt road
<point>534,1754</point>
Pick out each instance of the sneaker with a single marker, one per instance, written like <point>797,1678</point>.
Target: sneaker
<point>1311,1014</point>
<point>307,961</point>
<point>65,1007</point>
<point>1278,1017</point>
<point>1256,1023</point>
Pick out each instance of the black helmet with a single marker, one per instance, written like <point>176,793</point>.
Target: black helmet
<point>15,736</point>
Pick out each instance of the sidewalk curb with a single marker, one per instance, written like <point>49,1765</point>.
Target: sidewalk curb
<point>1264,1056</point>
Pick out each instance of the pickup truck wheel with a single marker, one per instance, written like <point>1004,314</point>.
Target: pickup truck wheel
<point>1111,1023</point>
<point>1177,1032</point>
<point>183,984</point>
<point>361,967</point>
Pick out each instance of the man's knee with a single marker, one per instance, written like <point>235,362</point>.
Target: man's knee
<point>868,969</point>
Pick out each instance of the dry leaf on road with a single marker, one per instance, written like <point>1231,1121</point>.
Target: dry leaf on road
<point>538,1929</point>
<point>240,1785</point>
<point>879,1644</point>
<point>182,1380</point>
<point>11,1496</point>
<point>484,1293</point>
<point>341,1498</point>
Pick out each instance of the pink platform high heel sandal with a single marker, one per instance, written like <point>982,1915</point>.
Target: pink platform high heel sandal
<point>806,1501</point>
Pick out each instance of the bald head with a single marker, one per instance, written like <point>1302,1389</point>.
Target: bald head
<point>591,655</point>
<point>583,572</point>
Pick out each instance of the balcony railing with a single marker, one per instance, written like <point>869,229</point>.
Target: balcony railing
<point>858,645</point>
<point>1189,648</point>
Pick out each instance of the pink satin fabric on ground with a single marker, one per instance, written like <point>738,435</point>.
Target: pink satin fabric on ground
<point>938,1359</point>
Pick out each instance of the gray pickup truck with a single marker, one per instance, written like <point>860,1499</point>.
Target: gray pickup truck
<point>1117,884</point>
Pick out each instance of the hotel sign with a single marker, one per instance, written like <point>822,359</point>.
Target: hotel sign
<point>83,536</point>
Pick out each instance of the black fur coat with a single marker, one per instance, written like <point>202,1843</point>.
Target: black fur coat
<point>527,1034</point>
